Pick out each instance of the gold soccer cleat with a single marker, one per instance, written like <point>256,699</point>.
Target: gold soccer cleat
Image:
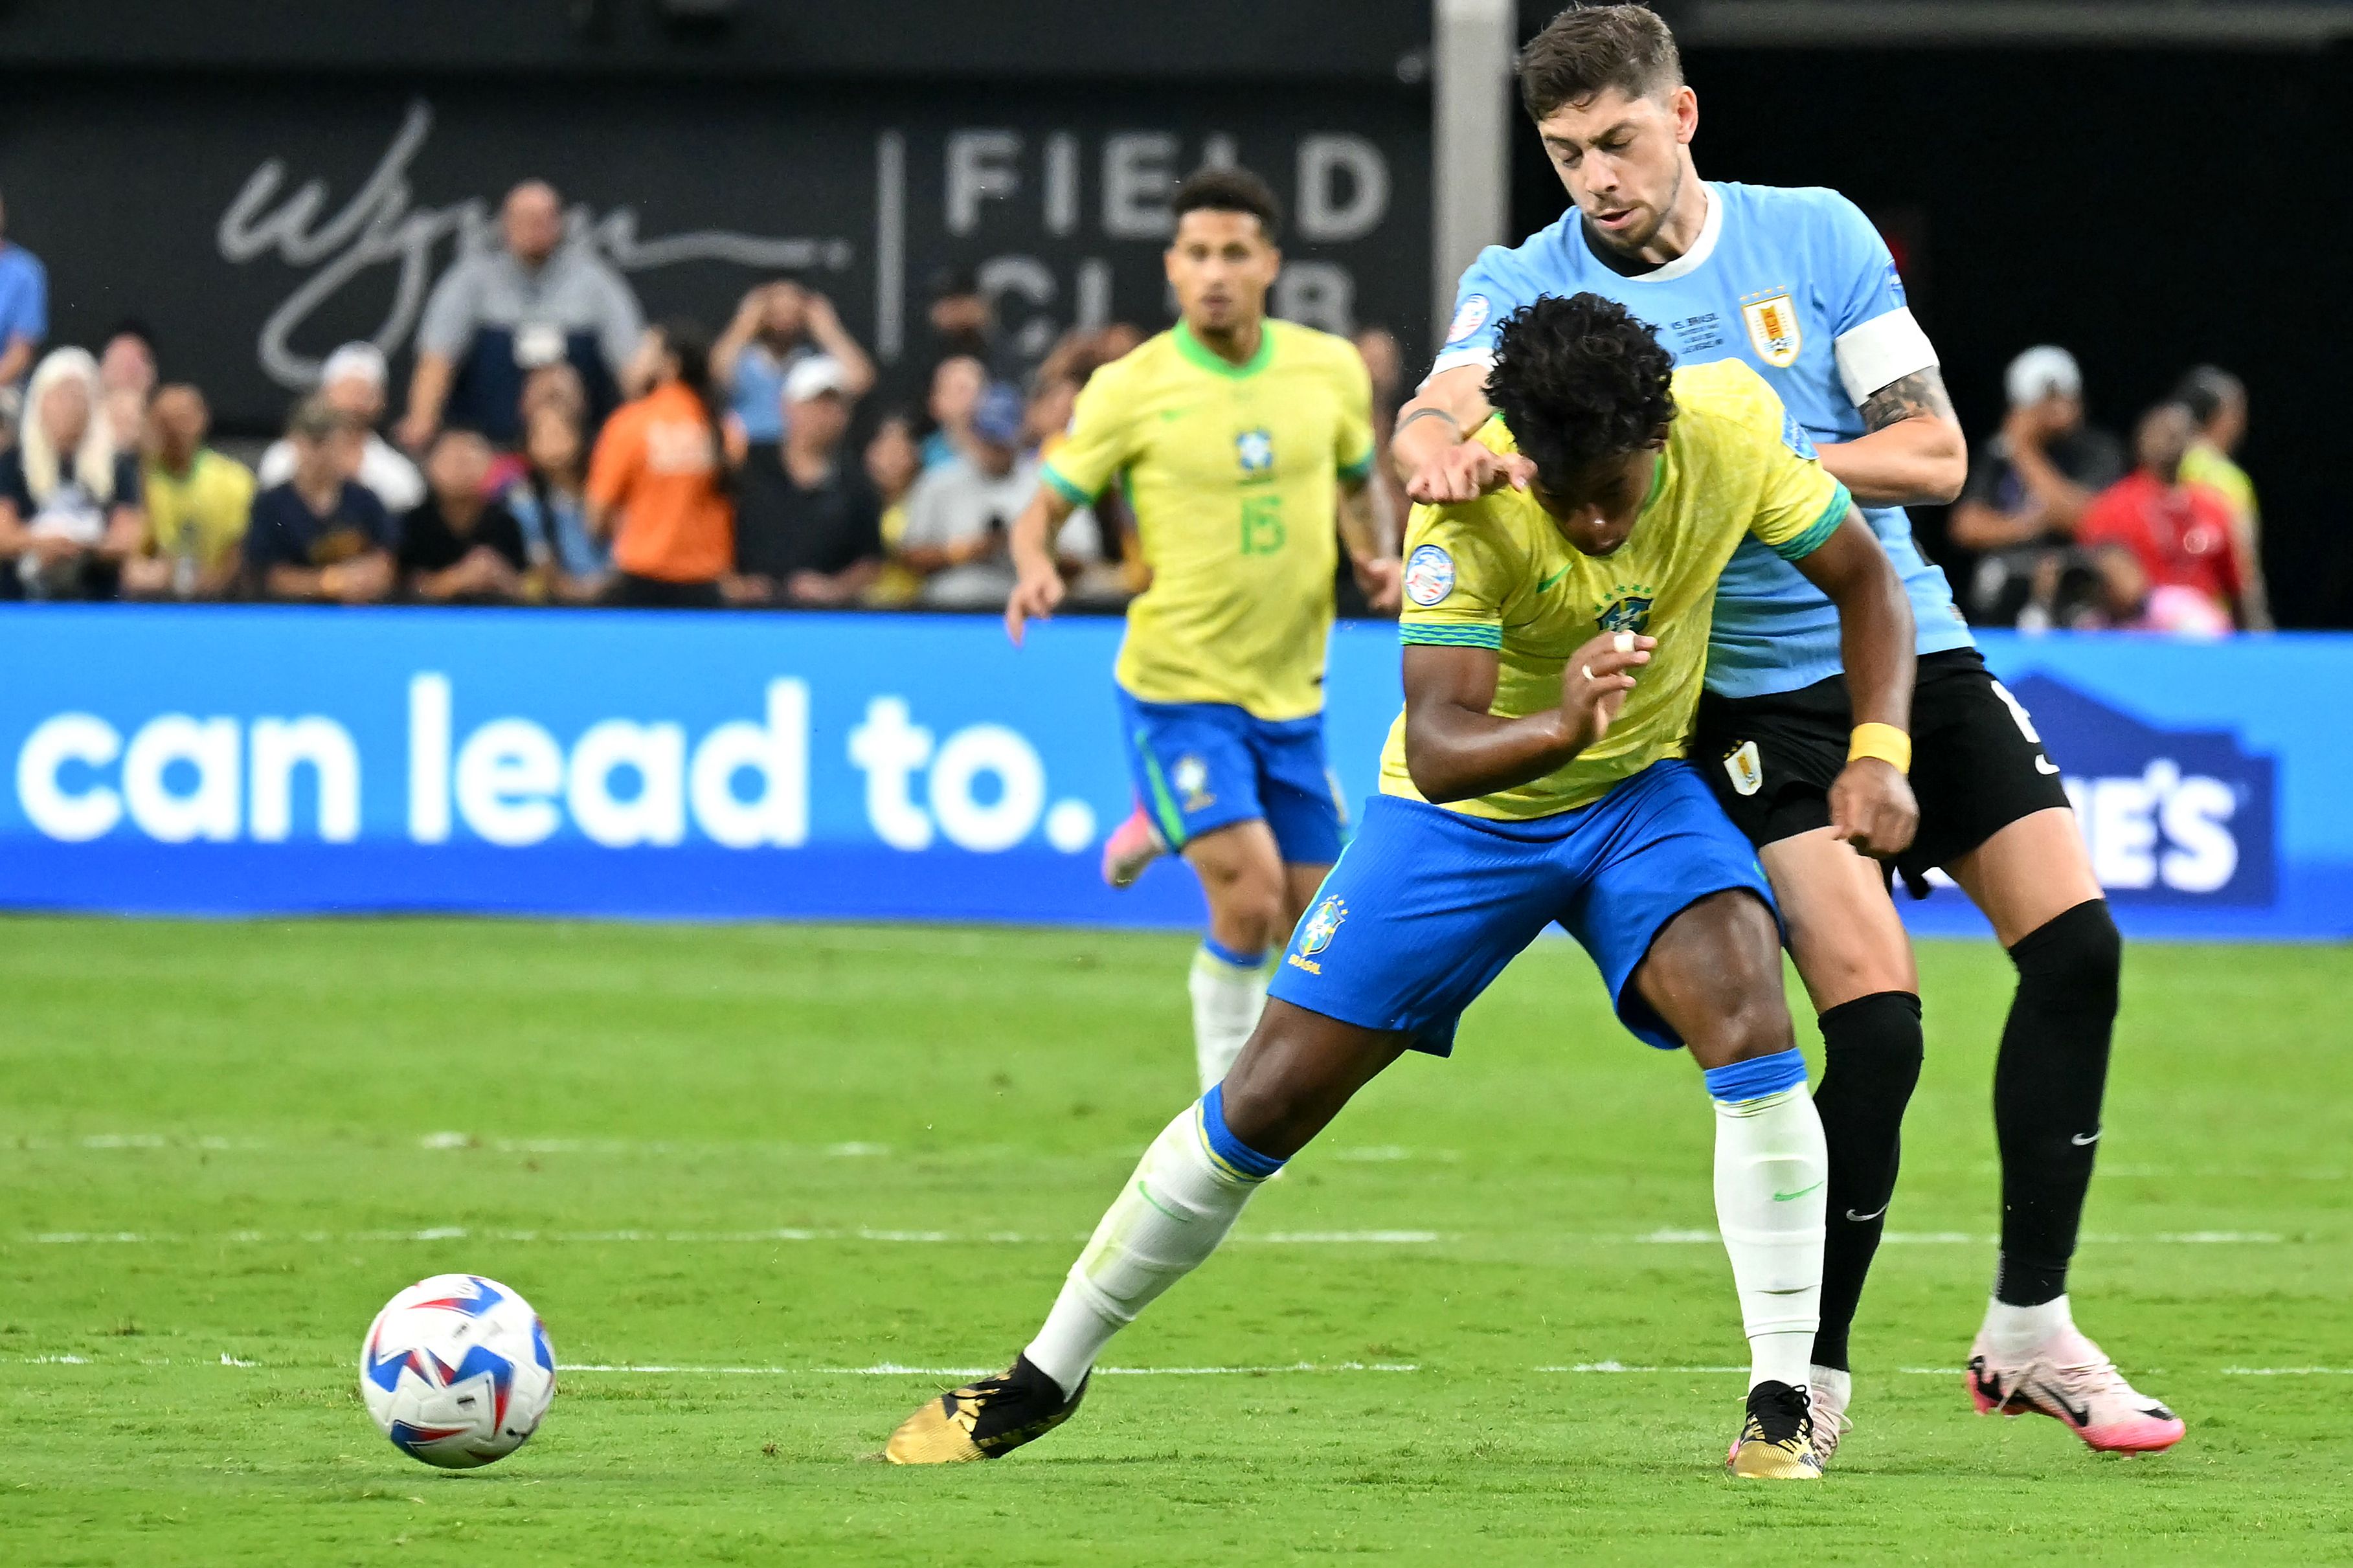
<point>983,1420</point>
<point>1777,1442</point>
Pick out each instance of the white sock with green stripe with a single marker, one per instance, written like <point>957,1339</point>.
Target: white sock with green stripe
<point>1185,1195</point>
<point>1228,991</point>
<point>1772,1188</point>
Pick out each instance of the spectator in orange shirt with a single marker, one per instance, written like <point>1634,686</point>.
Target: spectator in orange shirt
<point>658,483</point>
<point>2181,535</point>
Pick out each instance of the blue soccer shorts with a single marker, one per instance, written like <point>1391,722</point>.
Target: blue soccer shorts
<point>1428,905</point>
<point>1200,766</point>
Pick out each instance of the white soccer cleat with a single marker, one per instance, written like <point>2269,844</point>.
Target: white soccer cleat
<point>2071,1380</point>
<point>1133,846</point>
<point>1829,1393</point>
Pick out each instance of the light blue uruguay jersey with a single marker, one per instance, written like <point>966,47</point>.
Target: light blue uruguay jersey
<point>1798,284</point>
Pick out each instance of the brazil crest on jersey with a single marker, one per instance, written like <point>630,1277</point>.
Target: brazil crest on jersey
<point>1496,572</point>
<point>1798,285</point>
<point>1233,473</point>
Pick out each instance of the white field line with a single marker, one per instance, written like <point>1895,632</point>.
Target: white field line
<point>699,1237</point>
<point>893,1369</point>
<point>1692,1238</point>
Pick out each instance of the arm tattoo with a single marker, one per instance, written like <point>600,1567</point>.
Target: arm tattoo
<point>1920,394</point>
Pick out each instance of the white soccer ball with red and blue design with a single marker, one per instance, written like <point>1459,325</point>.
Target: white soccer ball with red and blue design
<point>457,1371</point>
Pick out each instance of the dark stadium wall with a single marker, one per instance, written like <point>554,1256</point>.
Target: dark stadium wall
<point>895,41</point>
<point>2149,210</point>
<point>255,222</point>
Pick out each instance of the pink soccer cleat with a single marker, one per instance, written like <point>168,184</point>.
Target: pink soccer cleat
<point>2072,1380</point>
<point>1133,846</point>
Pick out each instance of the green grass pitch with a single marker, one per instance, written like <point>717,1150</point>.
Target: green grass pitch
<point>804,1152</point>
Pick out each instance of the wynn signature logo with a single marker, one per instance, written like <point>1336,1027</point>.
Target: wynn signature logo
<point>380,226</point>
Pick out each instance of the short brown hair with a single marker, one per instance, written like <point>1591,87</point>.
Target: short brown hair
<point>1229,191</point>
<point>1588,47</point>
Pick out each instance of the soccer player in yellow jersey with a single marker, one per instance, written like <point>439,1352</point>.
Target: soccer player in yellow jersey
<point>1237,438</point>
<point>1554,644</point>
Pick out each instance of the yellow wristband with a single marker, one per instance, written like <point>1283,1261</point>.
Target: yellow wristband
<point>1885,742</point>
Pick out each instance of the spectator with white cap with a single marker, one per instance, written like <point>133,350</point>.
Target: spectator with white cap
<point>2029,485</point>
<point>809,528</point>
<point>352,382</point>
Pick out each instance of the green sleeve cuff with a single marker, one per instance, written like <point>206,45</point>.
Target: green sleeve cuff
<point>1449,634</point>
<point>1064,488</point>
<point>1806,543</point>
<point>1359,470</point>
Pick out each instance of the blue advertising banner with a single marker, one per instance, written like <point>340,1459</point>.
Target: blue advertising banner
<point>223,761</point>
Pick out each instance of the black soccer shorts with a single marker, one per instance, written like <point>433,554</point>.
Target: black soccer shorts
<point>1977,764</point>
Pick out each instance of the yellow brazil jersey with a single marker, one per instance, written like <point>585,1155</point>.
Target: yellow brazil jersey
<point>202,512</point>
<point>1495,573</point>
<point>1233,474</point>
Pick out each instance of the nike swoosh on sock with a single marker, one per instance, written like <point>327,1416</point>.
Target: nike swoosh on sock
<point>2082,1141</point>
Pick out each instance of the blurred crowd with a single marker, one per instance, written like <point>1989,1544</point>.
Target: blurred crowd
<point>553,447</point>
<point>2069,528</point>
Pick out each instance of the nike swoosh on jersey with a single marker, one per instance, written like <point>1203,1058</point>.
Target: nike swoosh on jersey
<point>1551,580</point>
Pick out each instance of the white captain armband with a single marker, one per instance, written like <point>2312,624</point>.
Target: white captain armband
<point>1884,349</point>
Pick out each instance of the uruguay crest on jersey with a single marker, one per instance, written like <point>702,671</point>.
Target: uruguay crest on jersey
<point>1774,330</point>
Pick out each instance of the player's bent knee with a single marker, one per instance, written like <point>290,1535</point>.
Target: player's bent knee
<point>2080,951</point>
<point>1298,1069</point>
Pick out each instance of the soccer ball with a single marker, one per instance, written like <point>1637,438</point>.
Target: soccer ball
<point>457,1371</point>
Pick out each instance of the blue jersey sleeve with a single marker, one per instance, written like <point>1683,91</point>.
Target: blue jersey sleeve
<point>1862,295</point>
<point>1853,268</point>
<point>1494,286</point>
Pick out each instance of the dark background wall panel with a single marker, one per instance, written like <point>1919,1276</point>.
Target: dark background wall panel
<point>2147,209</point>
<point>183,202</point>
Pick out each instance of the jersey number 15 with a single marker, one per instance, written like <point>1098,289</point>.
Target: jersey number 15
<point>1261,524</point>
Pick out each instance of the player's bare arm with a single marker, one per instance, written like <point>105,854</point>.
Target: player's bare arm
<point>1912,452</point>
<point>1037,586</point>
<point>1456,750</point>
<point>1870,801</point>
<point>1432,450</point>
<point>1372,556</point>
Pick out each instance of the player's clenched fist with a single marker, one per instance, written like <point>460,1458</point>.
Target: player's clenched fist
<point>1594,683</point>
<point>1872,807</point>
<point>1465,471</point>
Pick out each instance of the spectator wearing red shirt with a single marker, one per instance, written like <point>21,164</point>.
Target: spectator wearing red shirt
<point>2180,534</point>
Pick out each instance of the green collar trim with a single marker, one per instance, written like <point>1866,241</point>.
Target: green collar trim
<point>1199,353</point>
<point>1658,483</point>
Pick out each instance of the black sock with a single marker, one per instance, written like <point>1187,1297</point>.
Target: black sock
<point>2046,1095</point>
<point>1871,1059</point>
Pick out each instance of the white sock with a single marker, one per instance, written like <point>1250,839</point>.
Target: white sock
<point>1165,1224</point>
<point>1772,1179</point>
<point>2013,1333</point>
<point>1227,997</point>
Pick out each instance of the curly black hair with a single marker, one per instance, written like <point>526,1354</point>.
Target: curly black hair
<point>1577,380</point>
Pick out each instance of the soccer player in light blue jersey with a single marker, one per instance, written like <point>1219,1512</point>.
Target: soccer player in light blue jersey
<point>1798,284</point>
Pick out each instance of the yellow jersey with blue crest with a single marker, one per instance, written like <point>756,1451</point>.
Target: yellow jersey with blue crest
<point>1233,473</point>
<point>1496,574</point>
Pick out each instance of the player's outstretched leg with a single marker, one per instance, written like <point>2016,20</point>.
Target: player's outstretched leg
<point>1714,976</point>
<point>1131,847</point>
<point>2049,1081</point>
<point>1299,1070</point>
